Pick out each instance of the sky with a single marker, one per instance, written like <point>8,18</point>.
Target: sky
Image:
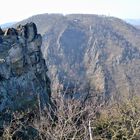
<point>16,10</point>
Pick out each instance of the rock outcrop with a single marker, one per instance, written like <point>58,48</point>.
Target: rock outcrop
<point>23,78</point>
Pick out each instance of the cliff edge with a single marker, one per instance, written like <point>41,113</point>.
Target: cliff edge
<point>23,78</point>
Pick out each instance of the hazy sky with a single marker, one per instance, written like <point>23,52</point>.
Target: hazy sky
<point>15,10</point>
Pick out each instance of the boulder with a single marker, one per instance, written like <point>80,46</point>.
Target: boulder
<point>10,32</point>
<point>34,46</point>
<point>16,53</point>
<point>29,31</point>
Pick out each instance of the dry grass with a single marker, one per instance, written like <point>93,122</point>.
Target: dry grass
<point>76,121</point>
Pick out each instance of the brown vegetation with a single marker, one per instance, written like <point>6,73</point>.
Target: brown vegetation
<point>76,121</point>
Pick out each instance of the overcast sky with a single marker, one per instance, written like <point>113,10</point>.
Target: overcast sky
<point>16,10</point>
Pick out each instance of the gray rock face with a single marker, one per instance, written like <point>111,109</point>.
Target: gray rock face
<point>1,32</point>
<point>23,78</point>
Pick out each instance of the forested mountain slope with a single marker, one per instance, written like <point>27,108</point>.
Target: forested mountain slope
<point>90,52</point>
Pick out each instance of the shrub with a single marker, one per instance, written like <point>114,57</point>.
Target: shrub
<point>78,121</point>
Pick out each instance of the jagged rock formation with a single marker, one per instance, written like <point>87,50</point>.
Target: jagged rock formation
<point>89,50</point>
<point>23,78</point>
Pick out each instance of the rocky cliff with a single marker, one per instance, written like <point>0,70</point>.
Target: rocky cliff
<point>23,78</point>
<point>91,51</point>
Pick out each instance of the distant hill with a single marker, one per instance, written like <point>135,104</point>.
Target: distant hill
<point>6,25</point>
<point>134,22</point>
<point>99,52</point>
